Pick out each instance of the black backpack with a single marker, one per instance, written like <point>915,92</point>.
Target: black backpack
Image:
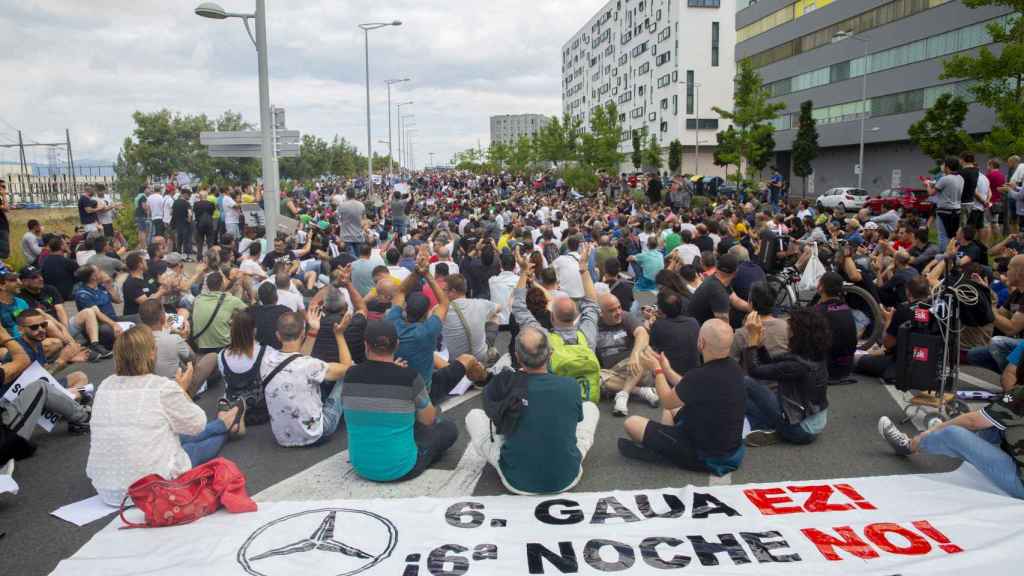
<point>248,386</point>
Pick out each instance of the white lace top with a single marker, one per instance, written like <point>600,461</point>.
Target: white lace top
<point>135,424</point>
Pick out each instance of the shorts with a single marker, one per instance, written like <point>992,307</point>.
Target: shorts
<point>74,328</point>
<point>976,219</point>
<point>618,374</point>
<point>673,444</point>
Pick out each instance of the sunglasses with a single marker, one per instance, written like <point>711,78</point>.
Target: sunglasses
<point>35,326</point>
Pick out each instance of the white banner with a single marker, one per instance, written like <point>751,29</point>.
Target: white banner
<point>931,524</point>
<point>48,419</point>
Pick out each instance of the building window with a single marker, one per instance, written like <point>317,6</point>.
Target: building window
<point>664,126</point>
<point>664,81</point>
<point>664,103</point>
<point>714,44</point>
<point>705,123</point>
<point>664,34</point>
<point>644,68</point>
<point>703,3</point>
<point>689,91</point>
<point>675,75</point>
<point>675,104</point>
<point>663,57</point>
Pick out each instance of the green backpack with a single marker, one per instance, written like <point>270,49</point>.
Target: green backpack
<point>576,361</point>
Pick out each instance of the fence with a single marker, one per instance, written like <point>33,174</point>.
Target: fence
<point>51,191</point>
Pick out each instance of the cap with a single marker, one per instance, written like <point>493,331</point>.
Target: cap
<point>855,240</point>
<point>30,272</point>
<point>416,306</point>
<point>381,335</point>
<point>871,226</point>
<point>173,259</point>
<point>728,263</point>
<point>8,274</point>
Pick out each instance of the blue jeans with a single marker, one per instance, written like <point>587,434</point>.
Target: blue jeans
<point>400,227</point>
<point>353,248</point>
<point>205,446</point>
<point>333,410</point>
<point>981,450</point>
<point>764,410</point>
<point>995,356</point>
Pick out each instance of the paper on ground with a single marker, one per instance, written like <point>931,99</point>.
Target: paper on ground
<point>84,511</point>
<point>7,484</point>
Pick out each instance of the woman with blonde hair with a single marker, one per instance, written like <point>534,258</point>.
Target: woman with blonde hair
<point>143,423</point>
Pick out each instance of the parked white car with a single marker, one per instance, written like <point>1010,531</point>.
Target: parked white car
<point>847,199</point>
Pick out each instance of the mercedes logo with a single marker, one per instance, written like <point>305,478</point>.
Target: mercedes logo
<point>321,542</point>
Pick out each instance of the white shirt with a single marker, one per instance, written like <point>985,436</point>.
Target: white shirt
<point>983,191</point>
<point>567,268</point>
<point>156,206</point>
<point>230,214</point>
<point>501,293</point>
<point>293,300</point>
<point>105,217</point>
<point>477,312</point>
<point>687,252</point>
<point>136,421</point>
<point>293,398</point>
<point>168,204</point>
<point>1018,175</point>
<point>453,268</point>
<point>689,226</point>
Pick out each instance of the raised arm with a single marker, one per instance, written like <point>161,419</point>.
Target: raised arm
<point>423,270</point>
<point>335,370</point>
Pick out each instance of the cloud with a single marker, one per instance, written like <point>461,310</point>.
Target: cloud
<point>87,65</point>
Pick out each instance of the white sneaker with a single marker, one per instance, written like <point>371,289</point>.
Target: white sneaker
<point>621,406</point>
<point>647,394</point>
<point>899,441</point>
<point>8,469</point>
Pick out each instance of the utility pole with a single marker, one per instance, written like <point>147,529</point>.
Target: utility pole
<point>21,156</point>
<point>71,157</point>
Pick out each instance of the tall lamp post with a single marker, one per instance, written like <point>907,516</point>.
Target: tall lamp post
<point>391,156</point>
<point>271,185</point>
<point>366,27</point>
<point>848,35</point>
<point>403,126</point>
<point>408,147</point>
<point>696,125</point>
<point>399,106</point>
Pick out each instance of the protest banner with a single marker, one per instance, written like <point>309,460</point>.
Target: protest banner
<point>48,419</point>
<point>921,524</point>
<point>253,215</point>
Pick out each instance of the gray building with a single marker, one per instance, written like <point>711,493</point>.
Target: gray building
<point>507,128</point>
<point>803,51</point>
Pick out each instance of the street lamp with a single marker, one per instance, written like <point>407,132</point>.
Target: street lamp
<point>402,125</point>
<point>269,153</point>
<point>408,142</point>
<point>391,162</point>
<point>696,137</point>
<point>366,27</point>
<point>399,106</point>
<point>431,154</point>
<point>839,37</point>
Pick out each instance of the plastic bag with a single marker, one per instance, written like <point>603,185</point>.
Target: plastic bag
<point>812,273</point>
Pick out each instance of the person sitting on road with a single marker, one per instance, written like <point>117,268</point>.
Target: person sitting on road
<point>776,330</point>
<point>573,335</point>
<point>714,298</point>
<point>47,300</point>
<point>621,339</point>
<point>97,289</point>
<point>211,315</point>
<point>702,420</point>
<point>543,428</point>
<point>797,411</point>
<point>674,333</point>
<point>991,439</point>
<point>882,363</point>
<point>1009,322</point>
<point>267,314</point>
<point>842,324</point>
<point>471,323</point>
<point>146,424</point>
<point>299,415</point>
<point>394,431</point>
<point>172,351</point>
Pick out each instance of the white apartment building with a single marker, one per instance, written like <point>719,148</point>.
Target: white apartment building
<point>508,128</point>
<point>665,64</point>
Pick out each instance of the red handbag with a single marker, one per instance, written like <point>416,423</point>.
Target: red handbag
<point>194,494</point>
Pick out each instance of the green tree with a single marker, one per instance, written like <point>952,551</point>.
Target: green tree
<point>557,141</point>
<point>581,178</point>
<point>652,154</point>
<point>750,117</point>
<point>805,144</point>
<point>727,152</point>
<point>637,155</point>
<point>471,159</point>
<point>939,133</point>
<point>599,147</point>
<point>521,155</point>
<point>996,81</point>
<point>498,154</point>
<point>675,156</point>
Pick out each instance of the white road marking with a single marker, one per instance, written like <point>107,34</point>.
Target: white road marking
<point>980,383</point>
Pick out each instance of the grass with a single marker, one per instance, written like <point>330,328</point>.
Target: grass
<point>61,220</point>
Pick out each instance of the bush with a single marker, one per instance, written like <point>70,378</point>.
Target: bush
<point>582,179</point>
<point>698,202</point>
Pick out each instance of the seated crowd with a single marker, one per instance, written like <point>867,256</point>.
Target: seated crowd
<point>372,313</point>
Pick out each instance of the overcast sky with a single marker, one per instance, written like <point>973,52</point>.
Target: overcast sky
<point>87,65</point>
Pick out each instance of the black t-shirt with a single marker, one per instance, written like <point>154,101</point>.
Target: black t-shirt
<point>614,343</point>
<point>326,348</point>
<point>83,203</point>
<point>714,399</point>
<point>153,273</point>
<point>623,290</point>
<point>705,243</point>
<point>135,288</point>
<point>900,316</point>
<point>47,300</point>
<point>59,272</point>
<point>203,210</point>
<point>974,251</point>
<point>711,298</point>
<point>970,176</point>
<point>271,258</point>
<point>747,275</point>
<point>266,324</point>
<point>844,333</point>
<point>677,338</point>
<point>179,211</point>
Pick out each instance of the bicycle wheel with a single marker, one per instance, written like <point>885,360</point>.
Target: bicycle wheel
<point>860,299</point>
<point>784,296</point>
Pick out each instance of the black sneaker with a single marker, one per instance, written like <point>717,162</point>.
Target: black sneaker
<point>101,351</point>
<point>758,438</point>
<point>78,429</point>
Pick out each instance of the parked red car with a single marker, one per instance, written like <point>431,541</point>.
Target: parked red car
<point>910,199</point>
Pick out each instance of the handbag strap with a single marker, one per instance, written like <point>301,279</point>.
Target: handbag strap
<point>220,301</point>
<point>462,320</point>
<point>278,369</point>
<point>127,524</point>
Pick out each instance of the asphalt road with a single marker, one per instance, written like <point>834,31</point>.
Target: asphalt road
<point>35,541</point>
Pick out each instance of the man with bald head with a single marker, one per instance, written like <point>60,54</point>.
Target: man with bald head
<point>539,446</point>
<point>701,427</point>
<point>1009,322</point>
<point>621,339</point>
